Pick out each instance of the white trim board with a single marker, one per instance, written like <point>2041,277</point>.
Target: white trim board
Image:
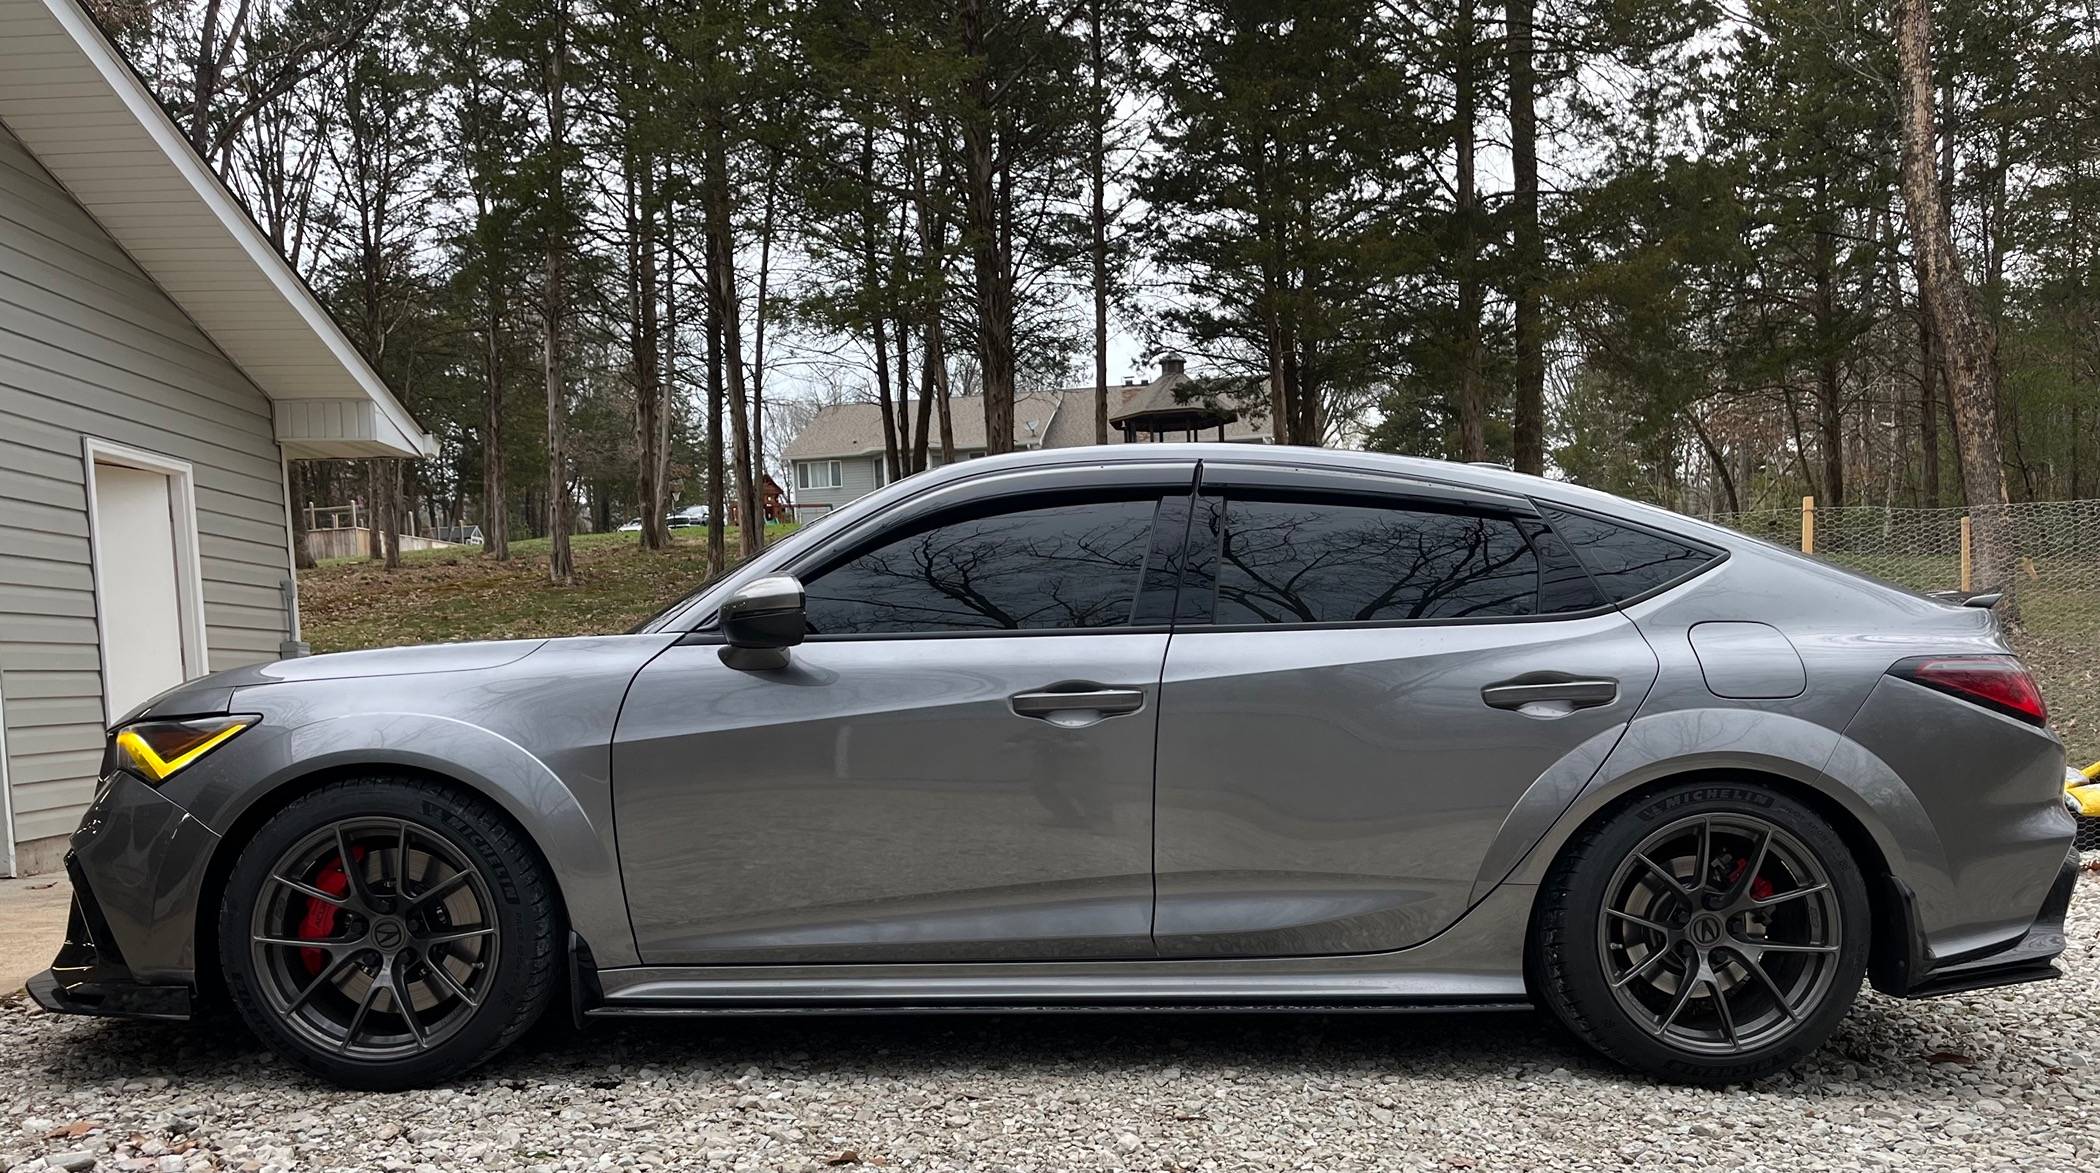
<point>7,801</point>
<point>189,570</point>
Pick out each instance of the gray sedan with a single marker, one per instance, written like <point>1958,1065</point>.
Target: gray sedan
<point>1185,727</point>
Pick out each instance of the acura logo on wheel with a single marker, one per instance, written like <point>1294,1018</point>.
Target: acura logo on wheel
<point>1706,930</point>
<point>388,934</point>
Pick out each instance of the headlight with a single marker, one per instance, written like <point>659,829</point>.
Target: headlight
<point>158,750</point>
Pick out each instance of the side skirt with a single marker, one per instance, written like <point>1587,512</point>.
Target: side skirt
<point>757,1010</point>
<point>1476,964</point>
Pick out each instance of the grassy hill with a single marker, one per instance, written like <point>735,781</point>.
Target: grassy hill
<point>443,595</point>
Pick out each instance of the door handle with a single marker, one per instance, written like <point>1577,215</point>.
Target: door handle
<point>1564,694</point>
<point>1080,708</point>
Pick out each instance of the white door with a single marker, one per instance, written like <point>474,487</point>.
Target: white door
<point>138,572</point>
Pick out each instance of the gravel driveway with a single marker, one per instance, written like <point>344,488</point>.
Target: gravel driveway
<point>1997,1080</point>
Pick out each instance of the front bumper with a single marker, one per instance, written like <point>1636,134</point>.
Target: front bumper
<point>89,975</point>
<point>2030,958</point>
<point>138,864</point>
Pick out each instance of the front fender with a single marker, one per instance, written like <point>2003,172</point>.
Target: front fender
<point>577,842</point>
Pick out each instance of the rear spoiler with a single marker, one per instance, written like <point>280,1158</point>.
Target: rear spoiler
<point>1982,599</point>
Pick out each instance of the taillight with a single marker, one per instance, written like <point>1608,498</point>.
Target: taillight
<point>1999,683</point>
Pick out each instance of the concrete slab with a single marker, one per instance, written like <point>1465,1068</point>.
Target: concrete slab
<point>32,924</point>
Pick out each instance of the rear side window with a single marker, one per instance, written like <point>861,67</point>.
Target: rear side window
<point>1072,565</point>
<point>1627,562</point>
<point>1334,561</point>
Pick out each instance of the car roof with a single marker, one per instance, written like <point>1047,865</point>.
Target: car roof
<point>1483,477</point>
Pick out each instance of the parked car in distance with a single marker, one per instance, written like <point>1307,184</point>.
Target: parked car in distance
<point>692,516</point>
<point>1151,725</point>
<point>633,526</point>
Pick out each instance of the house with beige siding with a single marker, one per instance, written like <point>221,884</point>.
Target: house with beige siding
<point>838,455</point>
<point>159,362</point>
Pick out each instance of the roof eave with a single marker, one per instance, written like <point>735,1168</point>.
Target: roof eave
<point>396,431</point>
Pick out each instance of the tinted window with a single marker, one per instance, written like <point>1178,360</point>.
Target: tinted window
<point>1063,566</point>
<point>1625,561</point>
<point>1563,584</point>
<point>1286,561</point>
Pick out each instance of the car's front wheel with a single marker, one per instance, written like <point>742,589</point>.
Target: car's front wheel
<point>387,932</point>
<point>1710,932</point>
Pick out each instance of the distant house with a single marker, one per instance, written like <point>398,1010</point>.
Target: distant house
<point>838,456</point>
<point>159,361</point>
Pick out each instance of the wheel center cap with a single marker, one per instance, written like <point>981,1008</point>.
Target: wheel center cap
<point>1705,930</point>
<point>389,933</point>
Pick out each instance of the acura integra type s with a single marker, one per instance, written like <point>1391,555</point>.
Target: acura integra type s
<point>1153,726</point>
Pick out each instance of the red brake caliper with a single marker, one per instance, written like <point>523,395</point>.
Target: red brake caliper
<point>319,922</point>
<point>1760,888</point>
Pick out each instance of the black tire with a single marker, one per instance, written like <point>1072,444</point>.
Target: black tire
<point>499,991</point>
<point>1579,949</point>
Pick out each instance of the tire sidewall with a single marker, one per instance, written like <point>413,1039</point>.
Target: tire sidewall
<point>524,938</point>
<point>1578,989</point>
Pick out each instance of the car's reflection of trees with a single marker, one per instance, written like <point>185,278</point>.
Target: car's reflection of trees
<point>1293,564</point>
<point>1010,572</point>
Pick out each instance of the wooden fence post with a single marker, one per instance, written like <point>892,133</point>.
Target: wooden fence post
<point>1808,525</point>
<point>1967,555</point>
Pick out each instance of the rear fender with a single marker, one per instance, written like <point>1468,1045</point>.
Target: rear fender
<point>1709,741</point>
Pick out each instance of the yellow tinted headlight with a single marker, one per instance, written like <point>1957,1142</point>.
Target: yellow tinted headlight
<point>157,750</point>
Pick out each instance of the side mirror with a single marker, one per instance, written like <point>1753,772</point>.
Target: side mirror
<point>761,621</point>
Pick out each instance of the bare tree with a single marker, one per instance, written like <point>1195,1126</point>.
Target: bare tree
<point>1528,423</point>
<point>561,560</point>
<point>1966,349</point>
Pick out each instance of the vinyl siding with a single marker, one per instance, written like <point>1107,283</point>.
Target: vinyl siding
<point>857,476</point>
<point>90,346</point>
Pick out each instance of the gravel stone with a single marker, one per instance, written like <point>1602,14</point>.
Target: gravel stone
<point>1993,1080</point>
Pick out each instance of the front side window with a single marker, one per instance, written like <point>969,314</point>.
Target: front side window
<point>1071,565</point>
<point>1286,560</point>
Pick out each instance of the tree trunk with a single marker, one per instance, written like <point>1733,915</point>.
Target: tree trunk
<point>1964,341</point>
<point>1528,431</point>
<point>295,499</point>
<point>892,453</point>
<point>495,505</point>
<point>937,361</point>
<point>1472,393</point>
<point>717,496</point>
<point>1928,411</point>
<point>649,406</point>
<point>1830,404</point>
<point>390,510</point>
<point>920,437</point>
<point>995,318</point>
<point>721,286</point>
<point>760,315</point>
<point>1097,181</point>
<point>905,443</point>
<point>561,561</point>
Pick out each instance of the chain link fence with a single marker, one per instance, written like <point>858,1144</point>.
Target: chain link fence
<point>2055,581</point>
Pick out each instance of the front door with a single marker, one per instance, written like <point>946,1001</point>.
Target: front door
<point>1380,678</point>
<point>956,766</point>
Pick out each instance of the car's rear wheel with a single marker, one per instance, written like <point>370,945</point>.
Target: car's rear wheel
<point>388,932</point>
<point>1710,932</point>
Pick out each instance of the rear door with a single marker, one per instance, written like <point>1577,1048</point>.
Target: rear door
<point>1366,676</point>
